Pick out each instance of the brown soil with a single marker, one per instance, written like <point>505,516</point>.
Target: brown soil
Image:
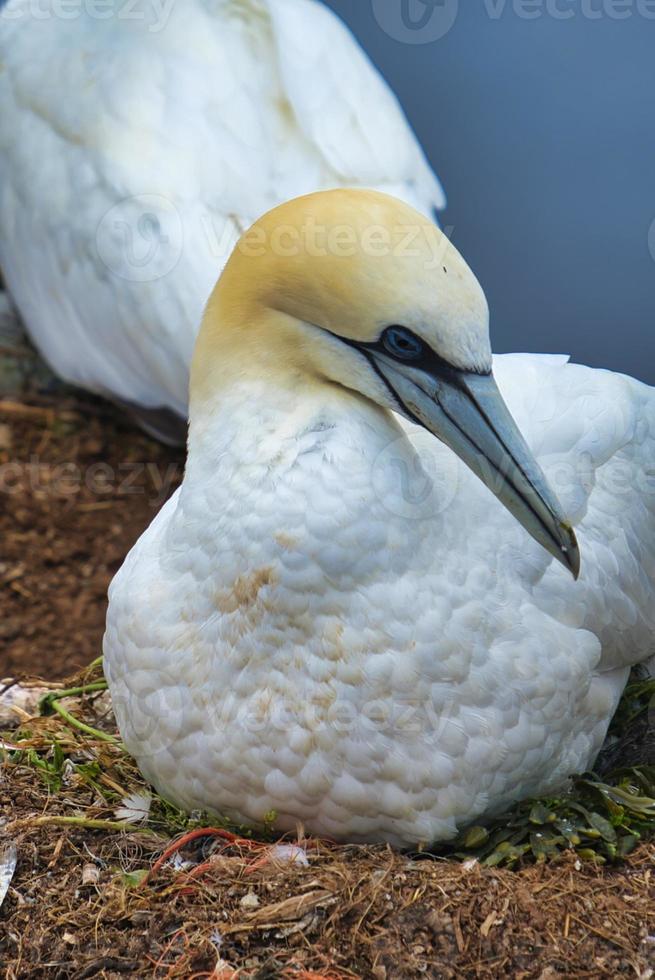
<point>78,485</point>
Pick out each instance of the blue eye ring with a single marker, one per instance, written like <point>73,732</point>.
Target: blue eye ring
<point>402,344</point>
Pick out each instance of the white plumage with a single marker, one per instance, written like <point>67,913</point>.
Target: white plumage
<point>333,618</point>
<point>135,148</point>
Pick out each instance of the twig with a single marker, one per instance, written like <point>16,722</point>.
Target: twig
<point>87,822</point>
<point>26,411</point>
<point>603,935</point>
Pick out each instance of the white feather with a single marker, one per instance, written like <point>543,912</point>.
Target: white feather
<point>8,861</point>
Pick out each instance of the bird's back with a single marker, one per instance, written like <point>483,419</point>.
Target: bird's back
<point>593,433</point>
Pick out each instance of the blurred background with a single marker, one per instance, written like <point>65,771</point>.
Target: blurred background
<point>539,119</point>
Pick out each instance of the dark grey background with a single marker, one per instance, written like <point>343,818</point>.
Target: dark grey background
<point>543,133</point>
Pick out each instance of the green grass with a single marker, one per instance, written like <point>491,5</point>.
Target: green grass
<point>600,821</point>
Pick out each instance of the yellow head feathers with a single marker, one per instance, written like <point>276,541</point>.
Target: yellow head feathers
<point>350,262</point>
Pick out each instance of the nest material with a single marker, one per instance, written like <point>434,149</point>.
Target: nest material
<point>96,896</point>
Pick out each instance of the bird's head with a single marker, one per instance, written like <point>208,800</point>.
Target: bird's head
<point>357,289</point>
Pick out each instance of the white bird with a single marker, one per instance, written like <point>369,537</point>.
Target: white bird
<point>333,618</point>
<point>136,144</point>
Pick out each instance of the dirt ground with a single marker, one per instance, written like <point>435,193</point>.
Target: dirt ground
<point>78,485</point>
<point>367,912</point>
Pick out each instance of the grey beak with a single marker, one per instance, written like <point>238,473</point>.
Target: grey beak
<point>466,411</point>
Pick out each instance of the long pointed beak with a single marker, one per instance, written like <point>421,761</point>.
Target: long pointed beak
<point>466,411</point>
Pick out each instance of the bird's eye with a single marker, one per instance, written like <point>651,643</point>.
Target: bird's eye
<point>402,343</point>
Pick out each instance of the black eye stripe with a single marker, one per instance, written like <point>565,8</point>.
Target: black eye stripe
<point>416,352</point>
<point>422,356</point>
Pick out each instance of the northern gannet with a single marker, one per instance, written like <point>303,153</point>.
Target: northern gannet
<point>139,141</point>
<point>333,618</point>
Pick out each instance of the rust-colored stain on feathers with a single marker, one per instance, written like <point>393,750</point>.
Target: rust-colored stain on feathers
<point>245,591</point>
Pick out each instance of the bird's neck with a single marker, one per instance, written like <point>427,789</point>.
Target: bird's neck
<point>273,448</point>
<point>254,389</point>
<point>267,419</point>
